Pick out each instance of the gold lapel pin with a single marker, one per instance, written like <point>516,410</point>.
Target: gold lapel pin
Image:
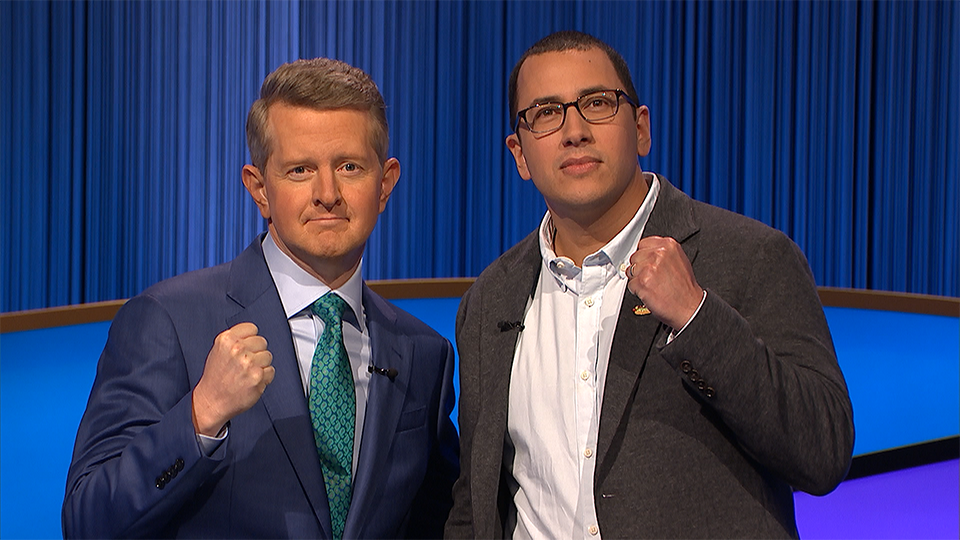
<point>641,310</point>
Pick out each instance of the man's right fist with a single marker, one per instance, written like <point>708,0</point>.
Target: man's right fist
<point>236,373</point>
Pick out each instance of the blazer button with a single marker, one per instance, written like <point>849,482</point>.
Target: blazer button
<point>686,366</point>
<point>178,464</point>
<point>701,385</point>
<point>694,376</point>
<point>710,392</point>
<point>174,472</point>
<point>160,482</point>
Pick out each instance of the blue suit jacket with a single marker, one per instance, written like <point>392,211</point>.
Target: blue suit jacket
<point>265,480</point>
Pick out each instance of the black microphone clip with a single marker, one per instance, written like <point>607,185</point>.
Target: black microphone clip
<point>389,373</point>
<point>506,326</point>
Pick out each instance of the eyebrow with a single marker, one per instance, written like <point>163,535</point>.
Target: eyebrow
<point>557,99</point>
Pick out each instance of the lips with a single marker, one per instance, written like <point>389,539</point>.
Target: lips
<point>327,219</point>
<point>579,163</point>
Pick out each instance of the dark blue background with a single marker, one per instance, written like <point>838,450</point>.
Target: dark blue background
<point>121,129</point>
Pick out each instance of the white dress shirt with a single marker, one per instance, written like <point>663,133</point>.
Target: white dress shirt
<point>557,381</point>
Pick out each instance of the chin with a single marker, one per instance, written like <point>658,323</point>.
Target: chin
<point>328,251</point>
<point>336,245</point>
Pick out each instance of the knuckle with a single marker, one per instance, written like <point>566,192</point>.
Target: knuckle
<point>223,339</point>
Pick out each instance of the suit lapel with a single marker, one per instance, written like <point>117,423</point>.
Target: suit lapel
<point>505,300</point>
<point>632,343</point>
<point>389,349</point>
<point>252,287</point>
<point>674,216</point>
<point>635,337</point>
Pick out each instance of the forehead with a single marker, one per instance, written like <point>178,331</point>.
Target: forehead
<point>564,75</point>
<point>292,126</point>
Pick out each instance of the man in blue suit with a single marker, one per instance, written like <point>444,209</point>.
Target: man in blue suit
<point>276,395</point>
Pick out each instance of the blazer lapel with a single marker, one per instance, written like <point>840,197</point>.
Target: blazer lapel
<point>632,343</point>
<point>674,216</point>
<point>252,287</point>
<point>636,335</point>
<point>505,301</point>
<point>389,349</point>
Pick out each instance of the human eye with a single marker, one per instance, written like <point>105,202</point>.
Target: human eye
<point>299,172</point>
<point>600,102</point>
<point>546,116</point>
<point>546,111</point>
<point>350,167</point>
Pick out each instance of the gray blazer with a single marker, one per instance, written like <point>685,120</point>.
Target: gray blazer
<point>704,437</point>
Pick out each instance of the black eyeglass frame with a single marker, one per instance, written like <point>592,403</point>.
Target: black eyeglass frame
<point>521,115</point>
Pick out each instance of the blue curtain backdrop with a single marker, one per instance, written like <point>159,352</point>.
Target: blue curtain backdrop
<point>121,129</point>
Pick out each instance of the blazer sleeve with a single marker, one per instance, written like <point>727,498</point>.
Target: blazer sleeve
<point>136,460</point>
<point>460,522</point>
<point>433,500</point>
<point>760,354</point>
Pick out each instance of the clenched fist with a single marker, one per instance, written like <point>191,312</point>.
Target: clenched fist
<point>236,373</point>
<point>661,276</point>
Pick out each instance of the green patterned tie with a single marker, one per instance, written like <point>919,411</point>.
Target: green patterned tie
<point>333,408</point>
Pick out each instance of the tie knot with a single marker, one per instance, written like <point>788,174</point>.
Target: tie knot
<point>329,308</point>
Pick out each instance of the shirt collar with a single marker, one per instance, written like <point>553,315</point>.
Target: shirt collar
<point>616,252</point>
<point>298,289</point>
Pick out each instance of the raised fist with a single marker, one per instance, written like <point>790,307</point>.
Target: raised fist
<point>236,373</point>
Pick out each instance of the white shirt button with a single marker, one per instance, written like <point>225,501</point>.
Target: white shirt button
<point>593,530</point>
<point>584,375</point>
<point>589,302</point>
<point>623,267</point>
<point>560,265</point>
<point>588,452</point>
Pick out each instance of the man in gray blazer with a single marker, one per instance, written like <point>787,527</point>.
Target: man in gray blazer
<point>642,365</point>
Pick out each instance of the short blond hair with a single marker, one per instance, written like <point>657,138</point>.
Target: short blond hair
<point>320,84</point>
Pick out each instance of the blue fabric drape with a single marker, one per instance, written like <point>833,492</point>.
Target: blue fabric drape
<point>121,129</point>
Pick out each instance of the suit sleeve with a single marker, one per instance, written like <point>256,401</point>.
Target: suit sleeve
<point>136,460</point>
<point>432,502</point>
<point>760,354</point>
<point>460,522</point>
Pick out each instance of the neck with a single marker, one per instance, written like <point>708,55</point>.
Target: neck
<point>578,234</point>
<point>333,274</point>
<point>331,271</point>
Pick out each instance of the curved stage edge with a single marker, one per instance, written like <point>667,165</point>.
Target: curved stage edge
<point>898,351</point>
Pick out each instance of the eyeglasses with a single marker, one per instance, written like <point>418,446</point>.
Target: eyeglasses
<point>593,107</point>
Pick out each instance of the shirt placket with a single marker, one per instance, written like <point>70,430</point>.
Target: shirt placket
<point>588,332</point>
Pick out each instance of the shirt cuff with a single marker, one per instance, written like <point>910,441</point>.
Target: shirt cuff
<point>673,334</point>
<point>209,445</point>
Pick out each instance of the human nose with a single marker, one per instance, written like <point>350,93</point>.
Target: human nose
<point>575,130</point>
<point>326,191</point>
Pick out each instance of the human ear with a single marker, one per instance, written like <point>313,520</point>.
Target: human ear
<point>388,180</point>
<point>257,188</point>
<point>513,144</point>
<point>643,131</point>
